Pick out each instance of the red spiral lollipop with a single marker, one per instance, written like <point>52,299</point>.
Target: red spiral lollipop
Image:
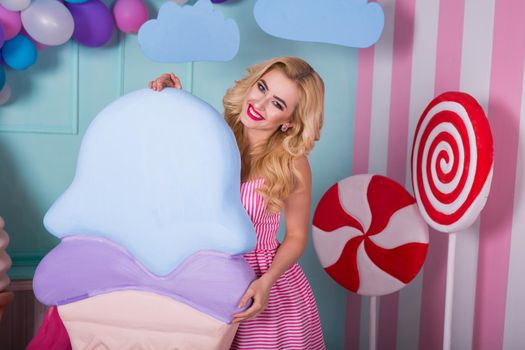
<point>452,161</point>
<point>369,235</point>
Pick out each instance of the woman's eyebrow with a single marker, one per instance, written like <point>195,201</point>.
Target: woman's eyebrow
<point>281,100</point>
<point>276,97</point>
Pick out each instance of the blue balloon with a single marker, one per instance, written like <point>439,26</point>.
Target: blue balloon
<point>2,77</point>
<point>19,53</point>
<point>76,1</point>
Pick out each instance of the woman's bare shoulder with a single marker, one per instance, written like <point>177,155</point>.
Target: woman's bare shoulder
<point>302,164</point>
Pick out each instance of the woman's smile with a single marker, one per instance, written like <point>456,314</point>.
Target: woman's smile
<point>253,113</point>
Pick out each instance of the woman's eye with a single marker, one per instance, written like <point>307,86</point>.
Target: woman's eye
<point>278,105</point>
<point>261,87</point>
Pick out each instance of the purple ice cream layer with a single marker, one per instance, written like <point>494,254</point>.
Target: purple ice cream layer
<point>81,267</point>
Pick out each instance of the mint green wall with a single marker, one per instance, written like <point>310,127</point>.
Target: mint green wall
<point>54,101</point>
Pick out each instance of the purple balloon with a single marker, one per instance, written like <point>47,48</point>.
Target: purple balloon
<point>93,22</point>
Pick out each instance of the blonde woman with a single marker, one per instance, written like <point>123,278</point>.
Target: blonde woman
<point>276,113</point>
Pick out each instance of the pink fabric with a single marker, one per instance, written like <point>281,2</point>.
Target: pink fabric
<point>290,320</point>
<point>52,334</point>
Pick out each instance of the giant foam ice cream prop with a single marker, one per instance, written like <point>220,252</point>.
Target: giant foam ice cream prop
<point>152,229</point>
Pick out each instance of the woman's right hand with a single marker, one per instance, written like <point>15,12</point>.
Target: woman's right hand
<point>165,80</point>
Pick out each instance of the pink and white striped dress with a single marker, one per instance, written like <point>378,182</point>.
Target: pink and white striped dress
<point>290,321</point>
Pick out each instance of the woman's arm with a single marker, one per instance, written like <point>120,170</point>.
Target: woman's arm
<point>297,216</point>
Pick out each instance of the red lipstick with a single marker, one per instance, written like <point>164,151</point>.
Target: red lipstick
<point>253,114</point>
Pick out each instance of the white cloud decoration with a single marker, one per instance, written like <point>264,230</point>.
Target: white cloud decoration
<point>189,33</point>
<point>354,23</point>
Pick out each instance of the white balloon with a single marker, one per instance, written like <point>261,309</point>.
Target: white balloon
<point>15,5</point>
<point>48,21</point>
<point>5,94</point>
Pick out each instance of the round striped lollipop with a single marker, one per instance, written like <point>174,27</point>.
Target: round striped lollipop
<point>452,161</point>
<point>369,235</point>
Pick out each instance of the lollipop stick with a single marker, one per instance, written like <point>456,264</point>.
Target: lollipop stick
<point>373,324</point>
<point>449,291</point>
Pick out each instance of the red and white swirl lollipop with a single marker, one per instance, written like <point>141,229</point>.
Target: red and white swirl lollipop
<point>452,161</point>
<point>369,235</point>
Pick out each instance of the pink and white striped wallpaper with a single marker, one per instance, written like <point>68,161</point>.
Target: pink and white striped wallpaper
<point>429,47</point>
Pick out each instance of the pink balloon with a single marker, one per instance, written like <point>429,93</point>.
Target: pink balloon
<point>11,22</point>
<point>130,15</point>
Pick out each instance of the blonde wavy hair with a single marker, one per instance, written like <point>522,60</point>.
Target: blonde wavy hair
<point>274,161</point>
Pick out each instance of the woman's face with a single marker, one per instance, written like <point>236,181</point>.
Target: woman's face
<point>270,102</point>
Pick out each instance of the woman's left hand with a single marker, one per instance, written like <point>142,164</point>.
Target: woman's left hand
<point>259,291</point>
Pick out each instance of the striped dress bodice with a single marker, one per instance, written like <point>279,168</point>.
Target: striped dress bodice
<point>290,321</point>
<point>265,223</point>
